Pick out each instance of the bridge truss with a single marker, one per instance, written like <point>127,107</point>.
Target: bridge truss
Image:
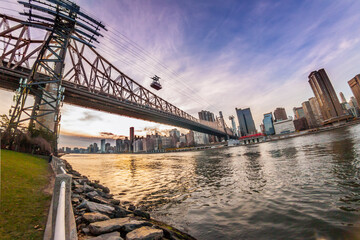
<point>90,80</point>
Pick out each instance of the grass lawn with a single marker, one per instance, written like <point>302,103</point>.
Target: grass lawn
<point>23,202</point>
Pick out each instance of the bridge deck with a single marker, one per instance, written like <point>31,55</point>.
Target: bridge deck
<point>80,96</point>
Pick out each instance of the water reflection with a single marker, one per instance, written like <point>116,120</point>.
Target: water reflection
<point>254,169</point>
<point>300,188</point>
<point>288,153</point>
<point>211,167</point>
<point>345,159</point>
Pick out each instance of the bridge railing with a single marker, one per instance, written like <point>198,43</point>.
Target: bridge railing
<point>61,221</point>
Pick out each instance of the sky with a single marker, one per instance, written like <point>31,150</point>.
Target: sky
<point>216,56</point>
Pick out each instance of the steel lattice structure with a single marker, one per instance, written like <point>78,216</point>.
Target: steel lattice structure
<point>60,18</point>
<point>91,80</point>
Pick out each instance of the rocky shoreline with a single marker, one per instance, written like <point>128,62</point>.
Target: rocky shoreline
<point>99,216</point>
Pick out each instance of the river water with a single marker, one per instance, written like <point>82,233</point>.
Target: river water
<point>301,188</point>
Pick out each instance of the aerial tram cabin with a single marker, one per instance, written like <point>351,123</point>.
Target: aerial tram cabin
<point>156,83</point>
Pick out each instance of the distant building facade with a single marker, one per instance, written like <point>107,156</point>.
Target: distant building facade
<point>201,138</point>
<point>301,124</point>
<point>280,114</point>
<point>246,121</point>
<point>102,145</point>
<point>138,145</point>
<point>342,97</point>
<point>298,112</point>
<point>174,132</point>
<point>309,114</point>
<point>324,92</point>
<point>285,126</point>
<point>207,116</point>
<point>166,142</point>
<point>262,128</point>
<point>233,124</point>
<point>190,139</point>
<point>132,138</point>
<point>268,124</point>
<point>107,147</point>
<point>353,102</point>
<point>355,88</point>
<point>316,110</point>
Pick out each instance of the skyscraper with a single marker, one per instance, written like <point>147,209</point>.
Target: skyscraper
<point>246,122</point>
<point>353,102</point>
<point>325,95</point>
<point>207,116</point>
<point>316,110</point>
<point>309,114</point>
<point>174,133</point>
<point>355,87</point>
<point>268,124</point>
<point>118,143</point>
<point>298,112</point>
<point>280,114</point>
<point>132,139</point>
<point>233,124</point>
<point>102,145</point>
<point>343,99</point>
<point>301,124</point>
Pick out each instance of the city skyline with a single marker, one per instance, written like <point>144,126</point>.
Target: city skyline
<point>236,59</point>
<point>134,144</point>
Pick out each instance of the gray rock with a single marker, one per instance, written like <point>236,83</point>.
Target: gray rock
<point>103,188</point>
<point>125,224</point>
<point>88,188</point>
<point>78,220</point>
<point>104,195</point>
<point>75,196</point>
<point>95,217</point>
<point>81,226</point>
<point>131,207</point>
<point>115,201</point>
<point>106,190</point>
<point>102,200</point>
<point>92,194</point>
<point>82,180</point>
<point>108,236</point>
<point>86,231</point>
<point>78,190</point>
<point>121,212</point>
<point>142,214</point>
<point>145,233</point>
<point>97,207</point>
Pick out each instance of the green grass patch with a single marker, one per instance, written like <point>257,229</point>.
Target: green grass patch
<point>23,203</point>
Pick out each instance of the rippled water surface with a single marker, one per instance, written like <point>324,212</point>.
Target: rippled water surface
<point>300,188</point>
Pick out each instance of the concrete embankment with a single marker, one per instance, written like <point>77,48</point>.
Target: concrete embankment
<point>99,216</point>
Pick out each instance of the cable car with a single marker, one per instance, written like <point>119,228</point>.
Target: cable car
<point>156,83</point>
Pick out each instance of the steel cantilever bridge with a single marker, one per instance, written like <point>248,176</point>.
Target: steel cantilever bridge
<point>89,79</point>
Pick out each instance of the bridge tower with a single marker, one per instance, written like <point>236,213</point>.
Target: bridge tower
<point>63,21</point>
<point>222,121</point>
<point>232,119</point>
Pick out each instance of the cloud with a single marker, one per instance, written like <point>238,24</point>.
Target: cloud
<point>106,134</point>
<point>221,55</point>
<point>87,116</point>
<point>110,135</point>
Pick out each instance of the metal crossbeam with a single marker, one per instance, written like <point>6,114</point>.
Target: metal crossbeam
<point>45,113</point>
<point>88,71</point>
